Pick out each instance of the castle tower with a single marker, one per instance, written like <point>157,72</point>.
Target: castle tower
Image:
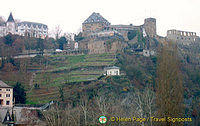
<point>10,25</point>
<point>150,27</point>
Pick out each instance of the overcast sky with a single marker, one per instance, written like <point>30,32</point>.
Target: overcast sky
<point>69,14</point>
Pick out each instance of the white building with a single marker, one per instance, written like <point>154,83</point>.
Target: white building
<point>6,95</point>
<point>111,71</point>
<point>31,29</point>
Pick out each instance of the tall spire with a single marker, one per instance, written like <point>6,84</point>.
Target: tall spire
<point>10,18</point>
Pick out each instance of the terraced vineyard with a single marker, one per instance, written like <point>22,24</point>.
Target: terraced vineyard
<point>65,71</point>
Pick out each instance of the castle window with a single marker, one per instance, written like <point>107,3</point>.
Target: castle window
<point>7,102</point>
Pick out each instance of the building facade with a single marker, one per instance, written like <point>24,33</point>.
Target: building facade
<point>6,95</point>
<point>24,28</point>
<point>32,29</point>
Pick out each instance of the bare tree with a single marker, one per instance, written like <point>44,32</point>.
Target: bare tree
<point>84,104</point>
<point>59,116</point>
<point>169,87</point>
<point>55,116</point>
<point>57,32</point>
<point>69,36</point>
<point>140,104</point>
<point>102,103</point>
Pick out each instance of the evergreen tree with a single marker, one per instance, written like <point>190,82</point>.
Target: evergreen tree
<point>40,45</point>
<point>19,94</point>
<point>61,41</point>
<point>61,93</point>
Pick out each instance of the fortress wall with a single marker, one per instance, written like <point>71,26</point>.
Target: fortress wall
<point>102,46</point>
<point>123,29</point>
<point>96,47</point>
<point>183,36</point>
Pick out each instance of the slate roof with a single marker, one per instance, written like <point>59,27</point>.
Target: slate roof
<point>23,115</point>
<point>10,18</point>
<point>113,67</point>
<point>96,18</point>
<point>2,20</point>
<point>3,112</point>
<point>32,23</point>
<point>4,85</point>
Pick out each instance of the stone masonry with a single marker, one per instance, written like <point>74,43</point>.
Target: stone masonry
<point>181,36</point>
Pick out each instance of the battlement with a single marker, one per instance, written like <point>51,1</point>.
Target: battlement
<point>181,33</point>
<point>178,35</point>
<point>150,20</point>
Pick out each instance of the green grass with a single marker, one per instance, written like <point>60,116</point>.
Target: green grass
<point>76,59</point>
<point>31,102</point>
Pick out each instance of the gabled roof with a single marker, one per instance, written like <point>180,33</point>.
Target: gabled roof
<point>10,18</point>
<point>96,18</point>
<point>4,85</point>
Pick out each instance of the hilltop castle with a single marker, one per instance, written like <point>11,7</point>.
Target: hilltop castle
<point>31,29</point>
<point>100,36</point>
<point>95,24</point>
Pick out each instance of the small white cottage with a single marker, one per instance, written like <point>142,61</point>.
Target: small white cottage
<point>111,71</point>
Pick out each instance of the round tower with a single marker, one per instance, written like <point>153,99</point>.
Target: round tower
<point>150,27</point>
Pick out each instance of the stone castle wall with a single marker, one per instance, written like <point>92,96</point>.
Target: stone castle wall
<point>91,28</point>
<point>123,29</point>
<point>102,46</point>
<point>181,36</point>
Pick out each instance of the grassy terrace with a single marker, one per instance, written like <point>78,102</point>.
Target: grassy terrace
<point>64,68</point>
